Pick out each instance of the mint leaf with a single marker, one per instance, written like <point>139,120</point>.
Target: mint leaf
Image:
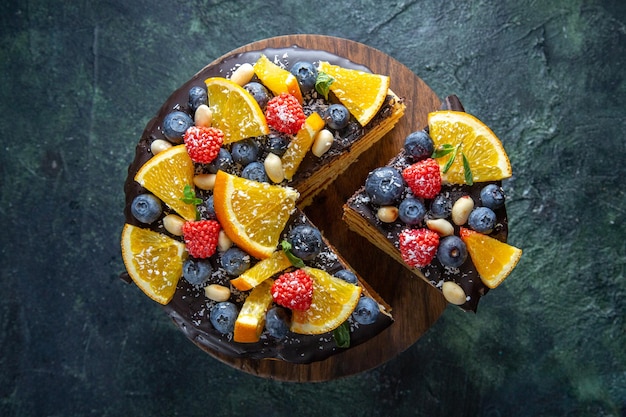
<point>342,335</point>
<point>295,261</point>
<point>469,178</point>
<point>189,197</point>
<point>442,150</point>
<point>322,83</point>
<point>448,164</point>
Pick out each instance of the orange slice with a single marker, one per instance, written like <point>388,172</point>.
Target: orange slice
<point>277,79</point>
<point>487,158</point>
<point>165,175</point>
<point>361,92</point>
<point>153,260</point>
<point>301,144</point>
<point>261,271</point>
<point>494,260</point>
<point>234,110</point>
<point>333,301</point>
<point>253,214</point>
<point>251,319</point>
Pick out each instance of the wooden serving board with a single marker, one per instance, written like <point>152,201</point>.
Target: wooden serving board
<point>416,305</point>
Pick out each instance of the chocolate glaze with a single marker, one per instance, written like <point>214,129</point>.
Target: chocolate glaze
<point>466,275</point>
<point>189,308</point>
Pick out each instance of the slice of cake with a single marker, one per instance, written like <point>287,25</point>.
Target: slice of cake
<point>214,225</point>
<point>438,207</point>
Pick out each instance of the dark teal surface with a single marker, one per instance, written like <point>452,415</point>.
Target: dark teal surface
<point>79,80</point>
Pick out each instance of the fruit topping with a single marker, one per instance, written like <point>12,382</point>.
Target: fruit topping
<point>492,196</point>
<point>361,92</point>
<point>411,211</point>
<point>261,271</point>
<point>347,275</point>
<point>277,79</point>
<point>423,178</point>
<point>337,116</point>
<point>301,144</point>
<point>235,261</point>
<point>366,311</point>
<point>306,242</point>
<point>467,150</point>
<point>201,237</point>
<point>175,124</point>
<point>197,271</point>
<point>293,290</point>
<point>384,185</point>
<point>153,260</point>
<point>494,260</point>
<point>482,219</point>
<point>223,316</point>
<point>245,151</point>
<point>223,162</point>
<point>255,171</point>
<point>259,92</point>
<point>234,110</point>
<point>251,319</point>
<point>419,145</point>
<point>165,176</point>
<point>146,208</point>
<point>285,114</point>
<point>452,251</point>
<point>277,322</point>
<point>203,143</point>
<point>418,247</point>
<point>197,97</point>
<point>441,206</point>
<point>306,74</point>
<point>252,214</point>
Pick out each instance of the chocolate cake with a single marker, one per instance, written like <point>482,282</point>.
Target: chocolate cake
<point>362,215</point>
<point>189,306</point>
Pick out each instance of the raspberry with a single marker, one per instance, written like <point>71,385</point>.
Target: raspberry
<point>293,290</point>
<point>423,178</point>
<point>201,237</point>
<point>203,143</point>
<point>284,113</point>
<point>418,247</point>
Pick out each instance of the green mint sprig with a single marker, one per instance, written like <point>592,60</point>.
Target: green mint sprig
<point>189,197</point>
<point>322,83</point>
<point>342,335</point>
<point>295,261</point>
<point>447,149</point>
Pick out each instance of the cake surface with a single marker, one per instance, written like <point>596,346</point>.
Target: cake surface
<point>189,307</point>
<point>461,284</point>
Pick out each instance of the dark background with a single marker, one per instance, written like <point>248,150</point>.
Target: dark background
<point>79,80</point>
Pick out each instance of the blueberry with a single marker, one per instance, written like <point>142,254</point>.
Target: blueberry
<point>277,144</point>
<point>255,171</point>
<point>223,316</point>
<point>209,204</point>
<point>245,151</point>
<point>306,74</point>
<point>441,207</point>
<point>306,242</point>
<point>175,124</point>
<point>419,145</point>
<point>235,261</point>
<point>492,196</point>
<point>197,96</point>
<point>347,275</point>
<point>366,311</point>
<point>482,219</point>
<point>277,322</point>
<point>337,116</point>
<point>411,211</point>
<point>452,251</point>
<point>259,92</point>
<point>384,185</point>
<point>146,208</point>
<point>223,162</point>
<point>197,271</point>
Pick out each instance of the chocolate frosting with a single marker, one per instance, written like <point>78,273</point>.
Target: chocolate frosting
<point>189,309</point>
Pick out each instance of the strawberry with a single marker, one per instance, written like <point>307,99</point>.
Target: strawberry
<point>203,143</point>
<point>293,290</point>
<point>423,178</point>
<point>418,247</point>
<point>284,113</point>
<point>201,237</point>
